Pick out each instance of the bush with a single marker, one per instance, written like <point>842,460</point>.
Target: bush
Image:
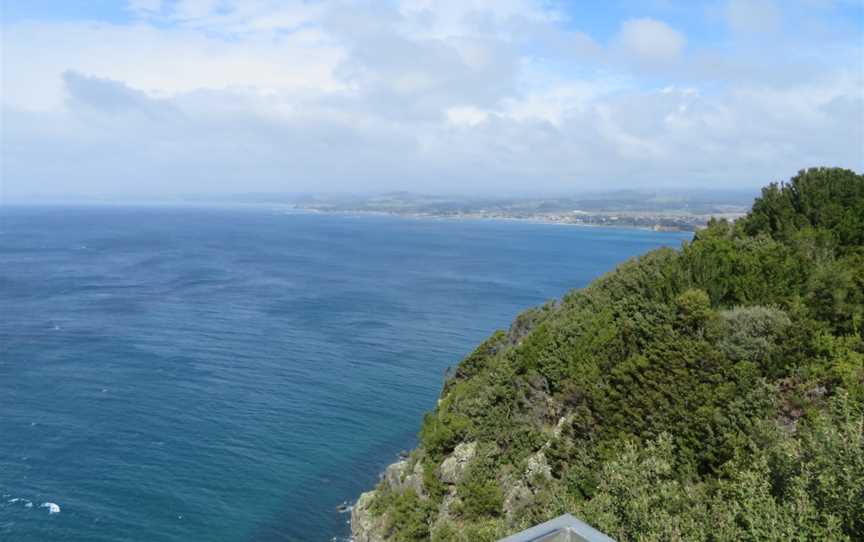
<point>751,333</point>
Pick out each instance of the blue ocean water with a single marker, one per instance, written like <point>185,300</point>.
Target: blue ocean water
<point>233,374</point>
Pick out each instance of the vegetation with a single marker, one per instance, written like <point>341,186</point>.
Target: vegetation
<point>712,393</point>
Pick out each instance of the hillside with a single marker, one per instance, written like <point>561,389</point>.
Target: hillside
<point>710,393</point>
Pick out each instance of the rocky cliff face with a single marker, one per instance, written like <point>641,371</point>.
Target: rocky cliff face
<point>365,525</point>
<point>372,519</point>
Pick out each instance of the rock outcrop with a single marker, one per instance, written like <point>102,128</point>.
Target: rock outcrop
<point>454,466</point>
<point>366,526</point>
<point>404,476</point>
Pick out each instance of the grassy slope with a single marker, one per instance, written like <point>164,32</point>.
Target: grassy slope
<point>711,393</point>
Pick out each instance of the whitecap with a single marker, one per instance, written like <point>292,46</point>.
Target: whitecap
<point>16,499</point>
<point>52,507</point>
<point>28,505</point>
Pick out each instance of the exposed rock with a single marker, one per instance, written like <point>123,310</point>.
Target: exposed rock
<point>415,480</point>
<point>366,527</point>
<point>398,477</point>
<point>395,473</point>
<point>788,419</point>
<point>452,468</point>
<point>517,498</point>
<point>538,468</point>
<point>536,405</point>
<point>817,393</point>
<point>444,516</point>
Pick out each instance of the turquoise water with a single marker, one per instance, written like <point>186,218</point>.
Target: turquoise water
<point>185,374</point>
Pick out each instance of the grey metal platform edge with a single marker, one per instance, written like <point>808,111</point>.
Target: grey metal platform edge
<point>564,528</point>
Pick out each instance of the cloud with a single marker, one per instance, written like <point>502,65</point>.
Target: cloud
<point>103,94</point>
<point>455,96</point>
<point>237,140</point>
<point>161,61</point>
<point>754,16</point>
<point>651,40</point>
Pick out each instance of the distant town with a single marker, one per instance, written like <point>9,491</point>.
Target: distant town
<point>657,211</point>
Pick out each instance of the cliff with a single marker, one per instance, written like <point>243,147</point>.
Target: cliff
<point>710,393</point>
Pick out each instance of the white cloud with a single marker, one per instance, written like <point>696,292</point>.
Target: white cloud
<point>469,116</point>
<point>159,61</point>
<point>556,104</point>
<point>651,40</point>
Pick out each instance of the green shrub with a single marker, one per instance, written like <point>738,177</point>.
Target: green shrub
<point>751,333</point>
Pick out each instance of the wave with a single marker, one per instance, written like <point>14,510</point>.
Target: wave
<point>27,502</point>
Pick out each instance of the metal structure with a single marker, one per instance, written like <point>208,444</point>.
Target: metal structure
<point>564,528</point>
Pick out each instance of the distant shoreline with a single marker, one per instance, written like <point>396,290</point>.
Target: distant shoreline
<point>694,223</point>
<point>646,221</point>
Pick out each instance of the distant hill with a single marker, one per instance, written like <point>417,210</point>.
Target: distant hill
<point>714,393</point>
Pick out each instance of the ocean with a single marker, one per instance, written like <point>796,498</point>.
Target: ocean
<point>177,373</point>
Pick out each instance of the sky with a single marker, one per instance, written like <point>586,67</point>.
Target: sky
<point>150,99</point>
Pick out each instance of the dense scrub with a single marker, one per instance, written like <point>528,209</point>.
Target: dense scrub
<point>711,393</point>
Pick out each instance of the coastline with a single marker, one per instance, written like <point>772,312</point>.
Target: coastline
<point>691,223</point>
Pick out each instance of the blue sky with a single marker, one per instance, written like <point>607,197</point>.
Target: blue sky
<point>155,99</point>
